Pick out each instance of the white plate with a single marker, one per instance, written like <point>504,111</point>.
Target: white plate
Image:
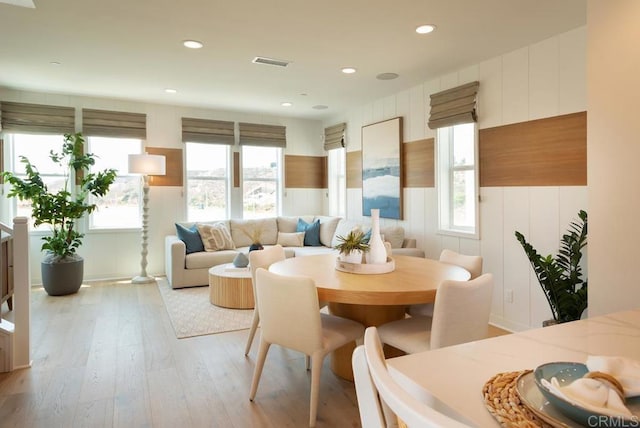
<point>533,399</point>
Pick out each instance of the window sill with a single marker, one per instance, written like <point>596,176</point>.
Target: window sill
<point>459,233</point>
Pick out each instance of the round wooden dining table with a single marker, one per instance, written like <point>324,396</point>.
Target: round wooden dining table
<point>371,299</point>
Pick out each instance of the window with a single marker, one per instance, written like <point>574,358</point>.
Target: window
<point>207,181</point>
<point>120,207</point>
<point>261,181</point>
<point>337,182</point>
<point>36,148</point>
<point>457,180</point>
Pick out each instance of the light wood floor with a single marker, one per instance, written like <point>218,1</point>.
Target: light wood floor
<point>108,356</point>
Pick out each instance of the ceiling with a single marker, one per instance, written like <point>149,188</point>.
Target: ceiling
<point>132,49</point>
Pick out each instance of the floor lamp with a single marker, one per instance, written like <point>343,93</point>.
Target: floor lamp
<point>145,165</point>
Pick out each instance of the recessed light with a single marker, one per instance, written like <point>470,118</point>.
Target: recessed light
<point>387,76</point>
<point>54,63</point>
<point>170,91</point>
<point>320,107</point>
<point>192,44</point>
<point>286,104</point>
<point>348,70</point>
<point>425,29</point>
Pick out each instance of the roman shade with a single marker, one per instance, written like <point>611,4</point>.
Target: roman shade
<point>208,131</point>
<point>105,123</point>
<point>334,136</point>
<point>36,118</point>
<point>252,134</point>
<point>454,106</point>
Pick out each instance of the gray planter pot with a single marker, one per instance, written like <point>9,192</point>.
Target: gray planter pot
<point>62,277</point>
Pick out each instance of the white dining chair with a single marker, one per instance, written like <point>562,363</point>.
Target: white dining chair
<point>407,409</point>
<point>260,259</point>
<point>473,264</point>
<point>373,412</point>
<point>460,314</point>
<point>291,317</point>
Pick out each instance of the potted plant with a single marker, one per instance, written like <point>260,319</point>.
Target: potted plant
<point>561,276</point>
<point>62,268</point>
<point>352,246</point>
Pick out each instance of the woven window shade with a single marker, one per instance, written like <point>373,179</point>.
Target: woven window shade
<point>252,134</point>
<point>207,131</point>
<point>105,123</point>
<point>334,136</point>
<point>454,106</point>
<point>37,119</point>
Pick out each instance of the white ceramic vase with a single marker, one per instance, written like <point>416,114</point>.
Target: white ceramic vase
<point>377,251</point>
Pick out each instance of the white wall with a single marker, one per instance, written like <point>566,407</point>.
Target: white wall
<point>613,152</point>
<point>541,80</point>
<point>117,254</point>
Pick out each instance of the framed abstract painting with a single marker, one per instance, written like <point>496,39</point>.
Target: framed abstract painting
<point>382,168</point>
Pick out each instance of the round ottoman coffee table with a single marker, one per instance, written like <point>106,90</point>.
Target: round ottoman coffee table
<point>230,287</point>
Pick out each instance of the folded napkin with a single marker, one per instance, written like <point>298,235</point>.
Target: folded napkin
<point>626,370</point>
<point>590,394</point>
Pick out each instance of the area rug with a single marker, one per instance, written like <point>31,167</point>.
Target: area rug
<point>192,314</point>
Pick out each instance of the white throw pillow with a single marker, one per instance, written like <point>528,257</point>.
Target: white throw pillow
<point>293,239</point>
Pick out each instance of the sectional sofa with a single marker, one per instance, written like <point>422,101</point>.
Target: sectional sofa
<point>187,263</point>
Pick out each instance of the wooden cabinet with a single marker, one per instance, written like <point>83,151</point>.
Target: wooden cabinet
<point>6,271</point>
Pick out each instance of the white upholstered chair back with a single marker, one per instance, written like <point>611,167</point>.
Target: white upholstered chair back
<point>471,263</point>
<point>289,311</point>
<point>260,259</point>
<point>407,408</point>
<point>461,311</point>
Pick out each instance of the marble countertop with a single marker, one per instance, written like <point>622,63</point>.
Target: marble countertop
<point>451,379</point>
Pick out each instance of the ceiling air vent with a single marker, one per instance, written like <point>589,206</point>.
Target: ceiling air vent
<point>270,61</point>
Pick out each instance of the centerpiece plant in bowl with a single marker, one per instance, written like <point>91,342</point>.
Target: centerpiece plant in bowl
<point>353,246</point>
<point>561,276</point>
<point>62,268</point>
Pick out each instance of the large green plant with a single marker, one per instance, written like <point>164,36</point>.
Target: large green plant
<point>63,208</point>
<point>561,276</point>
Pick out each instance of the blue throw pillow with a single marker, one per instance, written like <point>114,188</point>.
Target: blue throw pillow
<point>311,232</point>
<point>190,237</point>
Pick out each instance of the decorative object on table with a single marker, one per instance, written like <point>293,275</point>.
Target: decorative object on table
<point>561,276</point>
<point>255,234</point>
<point>377,253</point>
<point>145,165</point>
<point>352,246</point>
<point>62,268</point>
<point>502,401</point>
<point>585,396</point>
<point>241,260</point>
<point>382,168</point>
<point>366,268</point>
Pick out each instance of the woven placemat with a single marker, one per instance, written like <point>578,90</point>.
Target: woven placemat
<point>503,402</point>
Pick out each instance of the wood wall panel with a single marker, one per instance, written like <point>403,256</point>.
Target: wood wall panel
<point>354,170</point>
<point>418,163</point>
<point>174,174</point>
<point>305,172</point>
<point>544,152</point>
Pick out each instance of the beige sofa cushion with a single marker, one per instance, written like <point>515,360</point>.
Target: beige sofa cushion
<point>327,228</point>
<point>215,237</point>
<point>244,232</point>
<point>207,259</point>
<point>394,235</point>
<point>294,239</point>
<point>290,224</point>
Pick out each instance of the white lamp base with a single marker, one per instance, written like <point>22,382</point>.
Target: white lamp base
<point>143,280</point>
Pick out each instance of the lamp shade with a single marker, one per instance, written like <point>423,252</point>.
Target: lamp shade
<point>147,164</point>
